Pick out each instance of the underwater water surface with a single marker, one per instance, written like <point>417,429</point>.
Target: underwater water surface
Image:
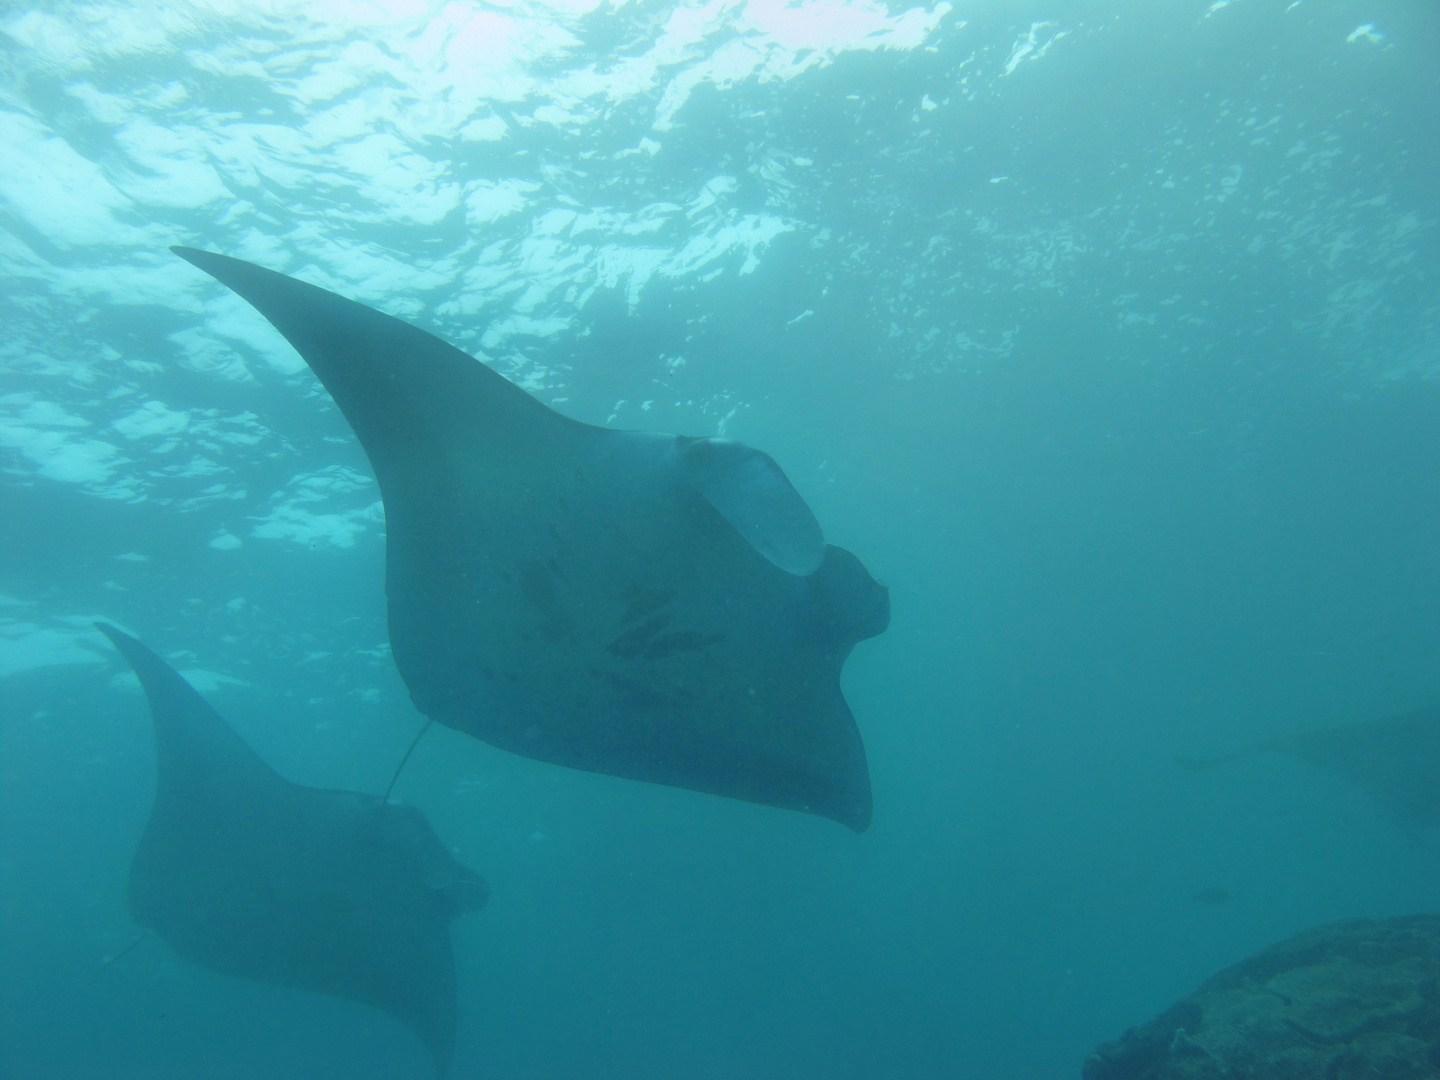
<point>1107,335</point>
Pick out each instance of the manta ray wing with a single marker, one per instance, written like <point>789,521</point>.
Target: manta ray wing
<point>247,874</point>
<point>649,606</point>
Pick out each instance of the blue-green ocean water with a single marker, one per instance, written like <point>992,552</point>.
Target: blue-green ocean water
<point>1106,334</point>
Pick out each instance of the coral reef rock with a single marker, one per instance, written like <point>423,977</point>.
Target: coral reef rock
<point>1346,1001</point>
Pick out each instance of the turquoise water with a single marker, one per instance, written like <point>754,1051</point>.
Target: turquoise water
<point>1106,335</point>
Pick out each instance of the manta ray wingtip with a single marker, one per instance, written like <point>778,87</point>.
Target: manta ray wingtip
<point>194,256</point>
<point>114,633</point>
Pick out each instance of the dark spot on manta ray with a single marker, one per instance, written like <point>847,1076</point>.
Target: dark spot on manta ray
<point>509,528</point>
<point>632,642</point>
<point>1211,896</point>
<point>680,642</point>
<point>640,603</point>
<point>646,640</point>
<point>245,873</point>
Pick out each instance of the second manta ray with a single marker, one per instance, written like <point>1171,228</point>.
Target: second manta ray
<point>650,606</point>
<point>1395,758</point>
<point>244,873</point>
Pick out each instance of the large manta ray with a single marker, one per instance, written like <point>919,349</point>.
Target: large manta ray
<point>1396,759</point>
<point>650,606</point>
<point>244,873</point>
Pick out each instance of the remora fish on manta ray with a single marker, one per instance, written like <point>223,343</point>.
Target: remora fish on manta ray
<point>650,606</point>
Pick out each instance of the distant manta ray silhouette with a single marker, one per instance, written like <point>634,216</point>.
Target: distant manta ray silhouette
<point>650,606</point>
<point>247,874</point>
<point>1396,759</point>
